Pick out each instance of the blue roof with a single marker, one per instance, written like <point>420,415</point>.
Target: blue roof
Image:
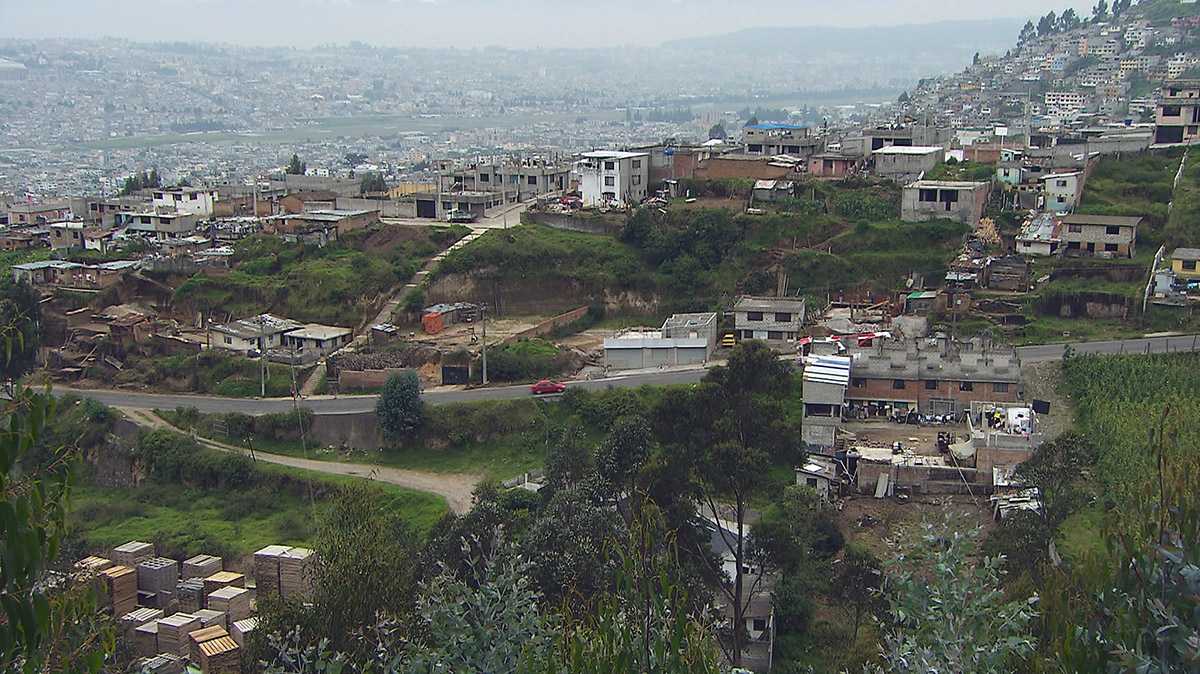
<point>772,126</point>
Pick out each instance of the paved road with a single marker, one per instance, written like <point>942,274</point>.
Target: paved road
<point>1050,352</point>
<point>351,404</point>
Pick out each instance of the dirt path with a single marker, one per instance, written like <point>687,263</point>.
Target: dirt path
<point>456,488</point>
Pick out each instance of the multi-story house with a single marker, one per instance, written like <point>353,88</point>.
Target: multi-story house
<point>610,178</point>
<point>1178,118</point>
<point>1099,235</point>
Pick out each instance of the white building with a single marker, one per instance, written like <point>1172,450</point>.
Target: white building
<point>684,339</point>
<point>1062,191</point>
<point>186,200</point>
<point>260,333</point>
<point>609,178</point>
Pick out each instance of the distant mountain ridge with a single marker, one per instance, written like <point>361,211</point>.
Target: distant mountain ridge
<point>938,48</point>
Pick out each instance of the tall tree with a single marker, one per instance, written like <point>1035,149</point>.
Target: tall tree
<point>1047,25</point>
<point>399,409</point>
<point>295,166</point>
<point>569,547</point>
<point>364,574</point>
<point>725,432</point>
<point>623,454</point>
<point>1100,12</point>
<point>1069,20</point>
<point>1028,32</point>
<point>21,314</point>
<point>717,132</point>
<point>46,626</point>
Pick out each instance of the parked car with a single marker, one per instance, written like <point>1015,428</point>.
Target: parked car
<point>547,386</point>
<point>460,216</point>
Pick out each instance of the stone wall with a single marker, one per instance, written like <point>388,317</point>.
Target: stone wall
<point>574,223</point>
<point>357,430</point>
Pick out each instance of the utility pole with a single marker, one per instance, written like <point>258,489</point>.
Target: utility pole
<point>262,356</point>
<point>483,317</point>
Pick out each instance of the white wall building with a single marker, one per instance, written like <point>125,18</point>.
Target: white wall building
<point>609,178</point>
<point>186,200</point>
<point>1062,191</point>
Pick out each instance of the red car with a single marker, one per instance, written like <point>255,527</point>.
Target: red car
<point>547,386</point>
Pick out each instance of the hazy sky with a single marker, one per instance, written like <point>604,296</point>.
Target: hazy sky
<point>470,23</point>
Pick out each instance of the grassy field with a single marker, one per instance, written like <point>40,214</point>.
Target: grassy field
<point>227,522</point>
<point>501,438</point>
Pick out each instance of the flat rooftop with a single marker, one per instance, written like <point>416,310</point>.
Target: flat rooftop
<point>909,149</point>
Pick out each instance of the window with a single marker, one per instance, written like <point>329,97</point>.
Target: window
<point>1111,247</point>
<point>609,181</point>
<point>1188,265</point>
<point>485,178</point>
<point>1112,231</point>
<point>754,149</point>
<point>774,334</point>
<point>533,180</point>
<point>754,315</point>
<point>966,386</point>
<point>1025,244</point>
<point>1060,183</point>
<point>898,384</point>
<point>610,165</point>
<point>931,384</point>
<point>811,481</point>
<point>1170,110</point>
<point>1072,245</point>
<point>929,196</point>
<point>637,163</point>
<point>1075,229</point>
<point>858,383</point>
<point>637,179</point>
<point>760,624</point>
<point>1000,387</point>
<point>781,317</point>
<point>228,340</point>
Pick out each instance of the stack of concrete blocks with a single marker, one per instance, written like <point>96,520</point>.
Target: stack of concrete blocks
<point>241,629</point>
<point>145,640</point>
<point>173,631</point>
<point>234,602</point>
<point>157,578</point>
<point>295,572</point>
<point>201,566</point>
<point>136,618</point>
<point>132,553</point>
<point>266,569</point>
<point>190,594</point>
<point>209,617</point>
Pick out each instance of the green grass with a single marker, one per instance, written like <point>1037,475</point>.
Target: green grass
<point>212,372</point>
<point>9,258</point>
<point>1137,186</point>
<point>230,523</point>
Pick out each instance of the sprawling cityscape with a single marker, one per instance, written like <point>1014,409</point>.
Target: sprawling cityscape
<point>781,349</point>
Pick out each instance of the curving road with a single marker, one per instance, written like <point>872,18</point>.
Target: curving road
<point>348,404</point>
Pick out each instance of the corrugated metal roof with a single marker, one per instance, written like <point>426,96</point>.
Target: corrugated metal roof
<point>828,370</point>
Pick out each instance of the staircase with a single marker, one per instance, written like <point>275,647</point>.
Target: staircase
<point>314,379</point>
